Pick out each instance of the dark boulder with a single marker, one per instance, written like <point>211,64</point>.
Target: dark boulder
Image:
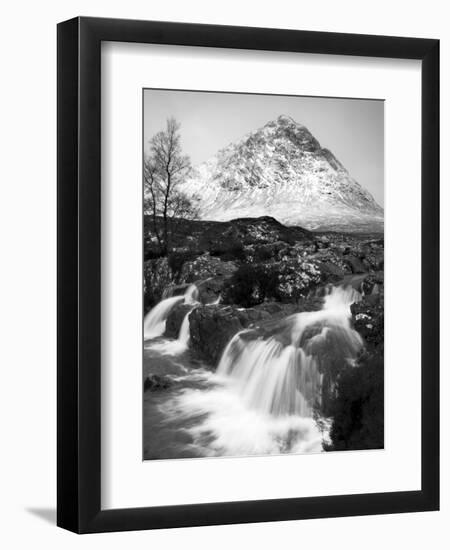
<point>157,277</point>
<point>358,408</point>
<point>211,329</point>
<point>287,281</point>
<point>373,283</point>
<point>368,320</point>
<point>204,267</point>
<point>355,264</point>
<point>156,382</point>
<point>330,272</point>
<point>323,242</point>
<point>175,319</point>
<point>210,290</point>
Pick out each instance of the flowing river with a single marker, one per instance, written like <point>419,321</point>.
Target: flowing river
<point>260,398</point>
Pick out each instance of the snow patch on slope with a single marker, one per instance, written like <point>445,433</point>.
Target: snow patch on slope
<point>282,171</point>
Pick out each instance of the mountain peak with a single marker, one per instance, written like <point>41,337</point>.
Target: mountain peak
<point>281,170</point>
<point>285,127</point>
<point>285,119</point>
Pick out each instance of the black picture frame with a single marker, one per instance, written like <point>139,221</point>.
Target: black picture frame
<point>79,280</point>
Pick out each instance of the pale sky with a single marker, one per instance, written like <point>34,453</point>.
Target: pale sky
<point>353,129</point>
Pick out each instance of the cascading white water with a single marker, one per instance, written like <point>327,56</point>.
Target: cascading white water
<point>191,295</point>
<point>184,335</point>
<point>260,399</point>
<point>281,375</point>
<point>155,320</point>
<point>178,346</point>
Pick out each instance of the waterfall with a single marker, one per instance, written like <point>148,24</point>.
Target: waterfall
<point>155,320</point>
<point>261,398</point>
<point>281,373</point>
<point>174,347</point>
<point>191,295</point>
<point>184,335</point>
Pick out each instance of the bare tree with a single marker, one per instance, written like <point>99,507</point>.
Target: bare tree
<point>165,168</point>
<point>151,196</point>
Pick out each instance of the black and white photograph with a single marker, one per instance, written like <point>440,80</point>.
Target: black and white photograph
<point>263,274</point>
<point>220,357</point>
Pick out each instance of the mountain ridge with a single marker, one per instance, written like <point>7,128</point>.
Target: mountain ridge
<point>281,170</point>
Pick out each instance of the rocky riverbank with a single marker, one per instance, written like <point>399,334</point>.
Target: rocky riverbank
<point>252,274</point>
<point>251,261</point>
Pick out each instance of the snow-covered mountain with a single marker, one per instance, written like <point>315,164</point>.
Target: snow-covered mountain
<point>282,171</point>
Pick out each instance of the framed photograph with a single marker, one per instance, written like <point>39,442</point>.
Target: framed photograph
<point>248,255</point>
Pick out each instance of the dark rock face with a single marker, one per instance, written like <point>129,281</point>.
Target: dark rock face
<point>331,272</point>
<point>355,264</point>
<point>174,274</point>
<point>373,283</point>
<point>212,327</point>
<point>358,410</point>
<point>210,290</point>
<point>157,277</point>
<point>206,267</point>
<point>368,320</point>
<point>286,281</point>
<point>210,274</point>
<point>175,319</point>
<point>358,405</point>
<point>156,382</point>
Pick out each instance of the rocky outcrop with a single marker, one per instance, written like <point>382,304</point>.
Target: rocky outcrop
<point>210,274</point>
<point>175,319</point>
<point>171,276</point>
<point>358,405</point>
<point>157,277</point>
<point>212,327</point>
<point>373,283</point>
<point>287,281</point>
<point>368,320</point>
<point>354,264</point>
<point>206,267</point>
